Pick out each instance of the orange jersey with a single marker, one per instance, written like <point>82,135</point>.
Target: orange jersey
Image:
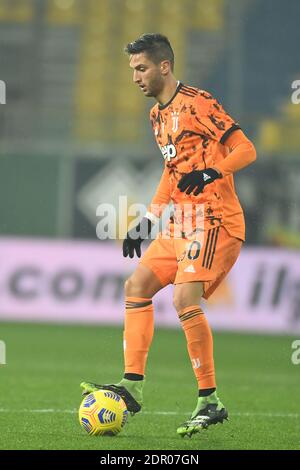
<point>191,131</point>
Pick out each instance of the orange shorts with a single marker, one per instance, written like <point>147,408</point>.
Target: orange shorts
<point>208,258</point>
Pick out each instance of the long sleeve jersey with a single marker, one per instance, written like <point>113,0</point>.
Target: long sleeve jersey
<point>194,132</point>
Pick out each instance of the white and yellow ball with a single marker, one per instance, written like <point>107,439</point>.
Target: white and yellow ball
<point>103,413</point>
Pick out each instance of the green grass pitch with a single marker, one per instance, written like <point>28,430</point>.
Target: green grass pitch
<point>40,391</point>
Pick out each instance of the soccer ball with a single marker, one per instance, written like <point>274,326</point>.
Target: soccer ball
<point>103,413</point>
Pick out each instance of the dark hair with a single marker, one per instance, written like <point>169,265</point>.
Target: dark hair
<point>155,45</point>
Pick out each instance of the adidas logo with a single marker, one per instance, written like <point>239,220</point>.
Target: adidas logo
<point>190,269</point>
<point>206,177</point>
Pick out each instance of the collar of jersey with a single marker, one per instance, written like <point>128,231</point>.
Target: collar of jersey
<point>164,106</point>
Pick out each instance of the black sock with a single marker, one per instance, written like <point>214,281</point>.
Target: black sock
<point>133,377</point>
<point>206,391</point>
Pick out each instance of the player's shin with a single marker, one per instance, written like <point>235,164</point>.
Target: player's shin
<point>209,409</point>
<point>138,334</point>
<point>200,345</point>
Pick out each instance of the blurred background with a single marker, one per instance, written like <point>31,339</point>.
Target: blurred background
<point>74,133</point>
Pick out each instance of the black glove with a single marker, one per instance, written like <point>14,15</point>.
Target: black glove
<point>135,236</point>
<point>197,180</point>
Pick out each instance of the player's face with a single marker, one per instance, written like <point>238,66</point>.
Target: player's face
<point>146,74</point>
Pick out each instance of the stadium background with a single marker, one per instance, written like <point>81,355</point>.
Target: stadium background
<point>74,133</point>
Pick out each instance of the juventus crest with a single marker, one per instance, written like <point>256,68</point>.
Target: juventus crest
<point>175,119</point>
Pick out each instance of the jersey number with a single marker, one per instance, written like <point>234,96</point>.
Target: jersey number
<point>195,245</point>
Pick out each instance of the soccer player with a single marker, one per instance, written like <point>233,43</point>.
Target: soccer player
<point>202,147</point>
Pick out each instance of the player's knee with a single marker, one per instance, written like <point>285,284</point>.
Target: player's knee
<point>129,287</point>
<point>180,302</point>
<point>133,288</point>
<point>187,294</point>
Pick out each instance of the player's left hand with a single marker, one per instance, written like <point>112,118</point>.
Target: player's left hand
<point>195,181</point>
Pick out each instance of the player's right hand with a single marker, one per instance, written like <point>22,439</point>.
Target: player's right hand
<point>130,246</point>
<point>134,238</point>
